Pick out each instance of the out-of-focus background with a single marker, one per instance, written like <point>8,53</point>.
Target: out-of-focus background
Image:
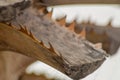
<point>98,14</point>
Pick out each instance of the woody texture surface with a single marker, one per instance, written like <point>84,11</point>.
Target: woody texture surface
<point>27,34</point>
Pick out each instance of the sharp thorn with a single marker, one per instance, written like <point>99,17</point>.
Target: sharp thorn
<point>26,31</point>
<point>62,21</point>
<point>31,35</point>
<point>49,14</point>
<point>41,43</point>
<point>11,25</point>
<point>23,29</point>
<point>51,48</point>
<point>72,26</point>
<point>83,33</point>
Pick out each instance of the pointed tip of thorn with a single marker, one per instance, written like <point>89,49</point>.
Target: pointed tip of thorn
<point>23,29</point>
<point>10,24</point>
<point>71,27</point>
<point>83,33</point>
<point>31,35</point>
<point>26,31</point>
<point>62,21</point>
<point>41,43</point>
<point>51,48</point>
<point>49,14</point>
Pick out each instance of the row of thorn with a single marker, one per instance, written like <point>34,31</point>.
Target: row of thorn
<point>71,26</point>
<point>61,22</point>
<point>24,30</point>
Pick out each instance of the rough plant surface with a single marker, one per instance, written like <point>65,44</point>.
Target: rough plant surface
<point>27,28</point>
<point>7,2</point>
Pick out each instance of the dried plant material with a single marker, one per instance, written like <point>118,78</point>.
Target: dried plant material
<point>76,56</point>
